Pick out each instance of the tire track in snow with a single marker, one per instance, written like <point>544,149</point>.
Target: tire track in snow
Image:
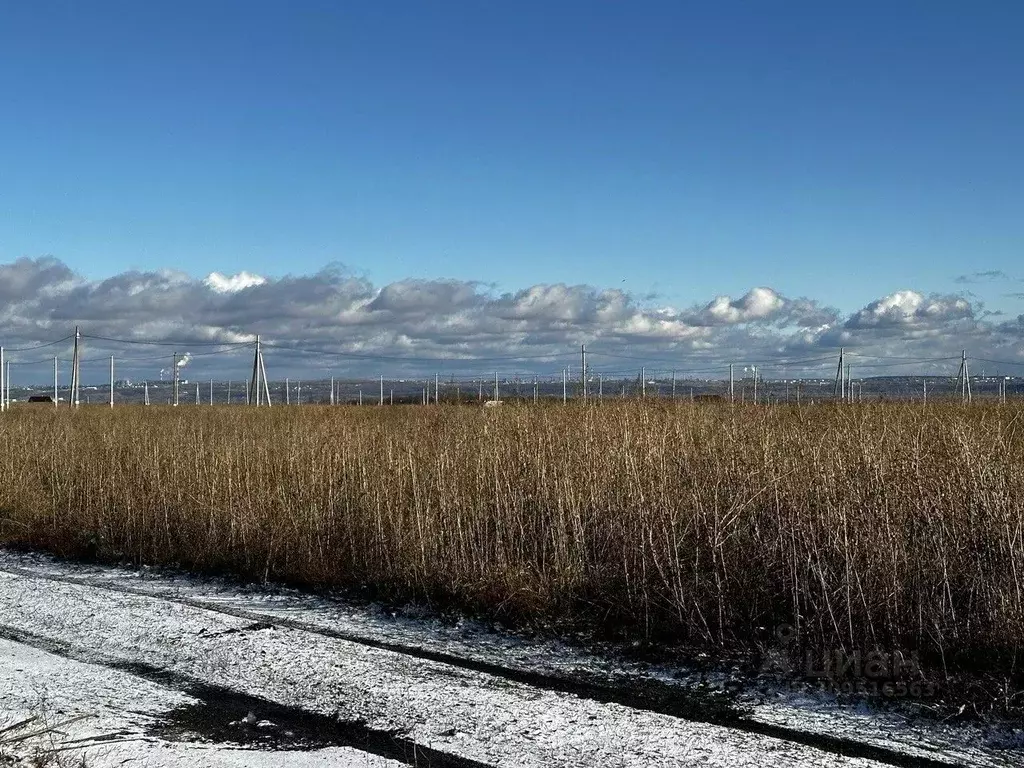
<point>355,734</point>
<point>651,696</point>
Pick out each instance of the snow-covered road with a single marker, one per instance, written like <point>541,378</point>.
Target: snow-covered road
<point>122,712</point>
<point>136,650</point>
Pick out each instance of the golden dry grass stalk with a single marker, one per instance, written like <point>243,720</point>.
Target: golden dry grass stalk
<point>882,526</point>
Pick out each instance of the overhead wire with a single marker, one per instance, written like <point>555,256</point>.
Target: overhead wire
<point>409,358</point>
<point>39,346</point>
<point>168,342</point>
<point>996,362</point>
<point>148,358</point>
<point>683,369</point>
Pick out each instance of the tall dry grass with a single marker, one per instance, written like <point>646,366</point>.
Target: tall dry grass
<point>884,526</point>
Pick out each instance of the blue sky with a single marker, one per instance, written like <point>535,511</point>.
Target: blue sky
<point>689,148</point>
<point>840,152</point>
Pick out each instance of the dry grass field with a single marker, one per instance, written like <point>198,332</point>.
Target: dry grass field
<point>884,527</point>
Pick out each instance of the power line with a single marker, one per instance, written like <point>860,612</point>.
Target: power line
<point>39,346</point>
<point>774,361</point>
<point>903,363</point>
<point>169,342</point>
<point>680,369</point>
<point>414,359</point>
<point>897,357</point>
<point>996,362</point>
<point>160,357</point>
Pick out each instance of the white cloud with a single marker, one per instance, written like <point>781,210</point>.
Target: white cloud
<point>219,283</point>
<point>537,328</point>
<point>909,309</point>
<point>758,304</point>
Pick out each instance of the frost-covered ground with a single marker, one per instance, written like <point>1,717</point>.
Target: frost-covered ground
<point>120,710</point>
<point>96,640</point>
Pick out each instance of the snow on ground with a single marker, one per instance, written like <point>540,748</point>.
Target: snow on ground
<point>466,713</point>
<point>120,710</point>
<point>473,714</point>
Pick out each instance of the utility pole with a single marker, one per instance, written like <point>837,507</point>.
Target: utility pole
<point>732,388</point>
<point>837,391</point>
<point>262,371</point>
<point>964,380</point>
<point>565,391</point>
<point>495,386</point>
<point>437,389</point>
<point>331,401</point>
<point>145,393</point>
<point>674,384</point>
<point>287,391</point>
<point>643,381</point>
<point>54,381</point>
<point>3,405</point>
<point>583,370</point>
<point>253,397</point>
<point>259,387</point>
<point>535,389</point>
<point>266,384</point>
<point>754,368</point>
<point>600,388</point>
<point>211,391</point>
<point>111,381</point>
<point>197,393</point>
<point>381,402</point>
<point>174,376</point>
<point>967,377</point>
<point>73,399</point>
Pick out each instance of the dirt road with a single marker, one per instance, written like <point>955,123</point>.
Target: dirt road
<point>178,671</point>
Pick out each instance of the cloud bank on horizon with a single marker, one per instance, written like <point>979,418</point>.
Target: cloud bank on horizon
<point>455,326</point>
